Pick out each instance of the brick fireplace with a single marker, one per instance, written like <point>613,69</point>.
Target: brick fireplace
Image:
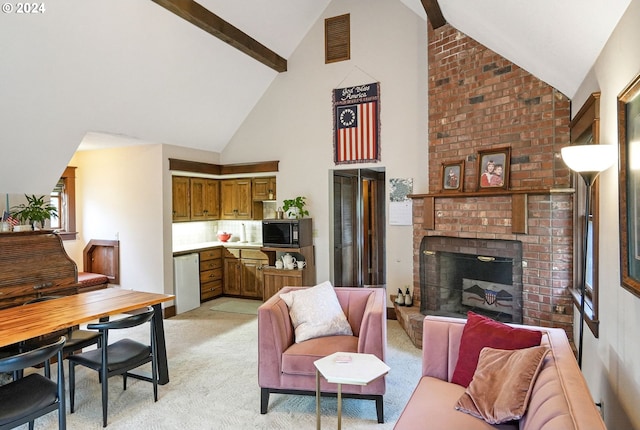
<point>479,100</point>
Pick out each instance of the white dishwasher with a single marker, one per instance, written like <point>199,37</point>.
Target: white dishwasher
<point>186,282</point>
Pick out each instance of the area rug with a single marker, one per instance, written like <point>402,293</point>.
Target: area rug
<point>237,306</point>
<point>213,371</point>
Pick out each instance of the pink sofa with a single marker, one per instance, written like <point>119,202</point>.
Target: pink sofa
<point>287,367</point>
<point>560,399</point>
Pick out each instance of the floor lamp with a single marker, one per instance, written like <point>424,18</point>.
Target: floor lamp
<point>588,161</point>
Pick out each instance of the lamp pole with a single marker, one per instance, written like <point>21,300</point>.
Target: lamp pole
<point>589,179</point>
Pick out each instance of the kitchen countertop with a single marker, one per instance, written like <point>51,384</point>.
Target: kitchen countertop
<point>195,247</point>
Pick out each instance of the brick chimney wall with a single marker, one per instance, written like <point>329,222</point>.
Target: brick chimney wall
<point>479,100</point>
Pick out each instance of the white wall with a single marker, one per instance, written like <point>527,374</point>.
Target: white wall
<point>125,193</point>
<point>611,363</point>
<point>293,120</point>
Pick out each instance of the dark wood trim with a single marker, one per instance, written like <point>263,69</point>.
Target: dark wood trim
<point>519,213</point>
<point>261,167</point>
<point>434,13</point>
<point>584,129</point>
<point>428,214</point>
<point>194,166</point>
<point>206,20</point>
<point>220,169</point>
<point>69,178</point>
<point>627,95</point>
<point>169,311</point>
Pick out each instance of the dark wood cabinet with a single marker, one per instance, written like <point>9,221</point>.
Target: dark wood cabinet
<point>205,199</point>
<point>35,264</point>
<point>243,272</point>
<point>264,188</point>
<point>274,279</point>
<point>211,271</point>
<point>236,199</point>
<point>180,197</point>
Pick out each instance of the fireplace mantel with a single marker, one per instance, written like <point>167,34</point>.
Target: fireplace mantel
<point>518,204</point>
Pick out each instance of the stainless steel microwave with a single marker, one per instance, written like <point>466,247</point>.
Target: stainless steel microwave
<point>287,233</point>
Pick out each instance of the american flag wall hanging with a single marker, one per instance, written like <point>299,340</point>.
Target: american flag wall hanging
<point>356,119</point>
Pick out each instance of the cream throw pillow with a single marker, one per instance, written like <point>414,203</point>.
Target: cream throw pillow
<point>502,384</point>
<point>316,312</point>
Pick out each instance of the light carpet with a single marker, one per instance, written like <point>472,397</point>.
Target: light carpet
<point>214,384</point>
<point>238,306</point>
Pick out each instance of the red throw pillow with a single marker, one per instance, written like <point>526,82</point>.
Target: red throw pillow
<point>480,331</point>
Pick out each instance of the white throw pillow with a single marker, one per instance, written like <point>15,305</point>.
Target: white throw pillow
<point>316,312</point>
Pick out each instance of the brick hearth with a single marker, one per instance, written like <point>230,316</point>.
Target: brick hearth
<point>478,100</point>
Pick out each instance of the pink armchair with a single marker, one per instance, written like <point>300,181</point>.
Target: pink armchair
<point>287,367</point>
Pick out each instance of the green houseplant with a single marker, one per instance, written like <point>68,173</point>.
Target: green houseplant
<point>36,210</point>
<point>294,208</point>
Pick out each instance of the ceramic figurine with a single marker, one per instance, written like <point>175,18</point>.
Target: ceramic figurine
<point>408,299</point>
<point>400,298</point>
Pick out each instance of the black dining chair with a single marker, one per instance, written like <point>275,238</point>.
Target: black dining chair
<point>32,396</point>
<point>117,358</point>
<point>77,339</point>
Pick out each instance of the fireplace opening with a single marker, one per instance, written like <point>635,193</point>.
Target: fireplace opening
<point>480,275</point>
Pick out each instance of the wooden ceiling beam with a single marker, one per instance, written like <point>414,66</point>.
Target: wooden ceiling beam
<point>203,18</point>
<point>434,13</point>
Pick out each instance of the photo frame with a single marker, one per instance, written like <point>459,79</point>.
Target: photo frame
<point>493,168</point>
<point>629,186</point>
<point>452,176</point>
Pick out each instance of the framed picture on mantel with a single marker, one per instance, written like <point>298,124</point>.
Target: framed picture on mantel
<point>452,176</point>
<point>493,168</point>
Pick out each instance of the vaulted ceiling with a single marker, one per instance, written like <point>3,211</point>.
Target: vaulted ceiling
<point>133,68</point>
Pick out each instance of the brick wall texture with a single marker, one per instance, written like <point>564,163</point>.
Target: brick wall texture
<point>479,101</point>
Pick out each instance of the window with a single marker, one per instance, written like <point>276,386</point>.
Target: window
<point>585,129</point>
<point>63,197</point>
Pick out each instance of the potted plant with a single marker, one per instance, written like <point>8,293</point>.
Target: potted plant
<point>294,208</point>
<point>36,210</point>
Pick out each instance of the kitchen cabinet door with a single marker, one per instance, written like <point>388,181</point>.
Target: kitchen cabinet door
<point>236,199</point>
<point>180,196</point>
<point>264,188</point>
<point>252,279</point>
<point>205,196</point>
<point>232,276</point>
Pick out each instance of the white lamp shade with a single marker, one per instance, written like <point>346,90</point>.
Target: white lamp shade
<point>589,158</point>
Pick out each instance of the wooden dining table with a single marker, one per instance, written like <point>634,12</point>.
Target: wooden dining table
<point>21,323</point>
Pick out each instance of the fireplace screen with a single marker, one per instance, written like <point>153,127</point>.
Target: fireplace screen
<point>483,279</point>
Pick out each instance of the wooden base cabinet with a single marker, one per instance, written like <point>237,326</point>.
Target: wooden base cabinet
<point>210,274</point>
<point>275,279</point>
<point>243,272</point>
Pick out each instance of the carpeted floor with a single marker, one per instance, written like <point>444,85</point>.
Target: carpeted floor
<point>214,384</point>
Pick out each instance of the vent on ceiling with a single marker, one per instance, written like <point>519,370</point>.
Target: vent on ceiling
<point>337,39</point>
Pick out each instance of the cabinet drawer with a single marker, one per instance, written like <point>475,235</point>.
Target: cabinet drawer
<point>210,254</point>
<point>254,254</point>
<point>210,264</point>
<point>210,290</point>
<point>210,275</point>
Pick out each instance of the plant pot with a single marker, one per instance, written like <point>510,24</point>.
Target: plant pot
<point>23,227</point>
